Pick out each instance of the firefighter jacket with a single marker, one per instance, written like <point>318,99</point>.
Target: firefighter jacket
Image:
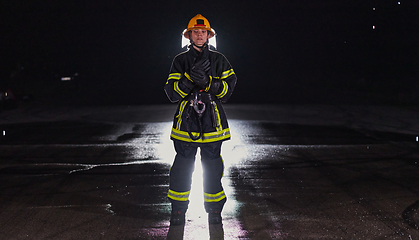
<point>194,122</point>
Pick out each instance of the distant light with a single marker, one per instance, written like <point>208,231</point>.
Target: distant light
<point>213,41</point>
<point>398,3</point>
<point>4,133</point>
<point>373,9</point>
<point>373,27</point>
<point>66,79</point>
<point>185,41</point>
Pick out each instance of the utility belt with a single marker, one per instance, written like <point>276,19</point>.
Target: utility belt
<point>198,102</point>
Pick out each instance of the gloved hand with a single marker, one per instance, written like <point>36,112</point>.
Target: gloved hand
<point>199,77</point>
<point>187,83</point>
<point>203,64</point>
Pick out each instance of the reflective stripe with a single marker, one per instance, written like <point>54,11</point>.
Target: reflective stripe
<point>188,77</point>
<point>179,91</point>
<point>218,117</point>
<point>181,108</point>
<point>227,74</point>
<point>207,137</point>
<point>175,76</point>
<point>224,92</point>
<point>214,197</point>
<point>178,196</point>
<point>209,85</point>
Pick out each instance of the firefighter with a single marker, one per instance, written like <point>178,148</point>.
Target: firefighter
<point>200,80</point>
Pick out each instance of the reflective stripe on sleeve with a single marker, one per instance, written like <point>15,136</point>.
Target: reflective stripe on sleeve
<point>188,77</point>
<point>209,84</point>
<point>227,74</point>
<point>224,92</point>
<point>174,76</point>
<point>178,90</point>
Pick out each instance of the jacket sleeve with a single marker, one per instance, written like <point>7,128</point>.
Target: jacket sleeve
<point>178,84</point>
<point>222,85</point>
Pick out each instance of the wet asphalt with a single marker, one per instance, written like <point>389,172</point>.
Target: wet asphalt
<point>291,172</point>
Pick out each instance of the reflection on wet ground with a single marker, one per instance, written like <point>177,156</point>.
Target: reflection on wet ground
<point>95,180</point>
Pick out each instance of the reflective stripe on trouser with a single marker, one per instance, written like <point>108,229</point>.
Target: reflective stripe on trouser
<point>181,173</point>
<point>178,196</point>
<point>208,197</point>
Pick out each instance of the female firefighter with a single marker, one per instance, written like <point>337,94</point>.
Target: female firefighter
<point>200,79</point>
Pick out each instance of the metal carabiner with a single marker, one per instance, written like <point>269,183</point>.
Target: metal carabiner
<point>198,106</point>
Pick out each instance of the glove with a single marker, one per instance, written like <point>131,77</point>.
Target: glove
<point>187,83</point>
<point>203,64</point>
<point>215,86</point>
<point>199,77</point>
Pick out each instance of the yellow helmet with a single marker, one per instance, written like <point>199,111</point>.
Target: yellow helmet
<point>199,22</point>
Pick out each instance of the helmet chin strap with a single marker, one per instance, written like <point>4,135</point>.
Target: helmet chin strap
<point>200,47</point>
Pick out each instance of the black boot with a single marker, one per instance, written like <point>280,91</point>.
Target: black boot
<point>214,217</point>
<point>177,218</point>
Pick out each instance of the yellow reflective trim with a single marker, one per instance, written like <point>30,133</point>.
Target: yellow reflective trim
<point>175,76</point>
<point>215,200</point>
<point>178,196</point>
<point>207,137</point>
<point>188,77</point>
<point>227,74</point>
<point>214,197</point>
<point>225,90</point>
<point>181,108</point>
<point>209,85</point>
<point>213,194</point>
<point>219,126</point>
<point>178,90</point>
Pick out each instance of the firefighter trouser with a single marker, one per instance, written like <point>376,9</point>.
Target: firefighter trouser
<point>181,175</point>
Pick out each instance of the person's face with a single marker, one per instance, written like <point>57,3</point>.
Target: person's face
<point>199,36</point>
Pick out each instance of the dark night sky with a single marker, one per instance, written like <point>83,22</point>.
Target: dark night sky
<point>282,51</point>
